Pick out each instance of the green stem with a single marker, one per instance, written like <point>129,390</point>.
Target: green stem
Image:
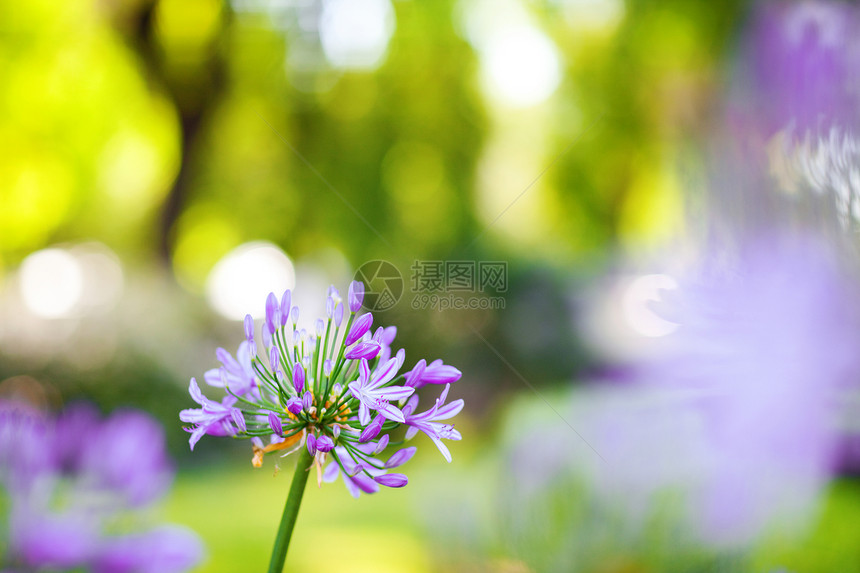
<point>291,511</point>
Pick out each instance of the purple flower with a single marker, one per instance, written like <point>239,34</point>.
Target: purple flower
<point>237,374</point>
<point>127,456</point>
<point>429,421</point>
<point>765,351</point>
<point>166,549</point>
<point>328,390</point>
<point>213,418</point>
<point>43,539</point>
<point>373,394</point>
<point>734,411</point>
<point>109,469</point>
<point>28,446</point>
<point>804,56</point>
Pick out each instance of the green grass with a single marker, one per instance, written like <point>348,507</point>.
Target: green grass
<point>237,510</point>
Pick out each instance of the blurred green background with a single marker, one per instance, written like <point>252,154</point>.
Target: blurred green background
<point>143,141</point>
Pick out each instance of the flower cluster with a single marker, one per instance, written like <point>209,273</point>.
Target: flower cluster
<point>75,482</point>
<point>337,391</point>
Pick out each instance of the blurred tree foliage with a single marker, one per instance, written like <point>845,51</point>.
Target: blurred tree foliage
<point>175,130</point>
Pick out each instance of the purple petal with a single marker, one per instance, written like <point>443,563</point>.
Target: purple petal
<point>440,374</point>
<point>364,483</point>
<point>365,350</point>
<point>381,445</point>
<point>391,412</point>
<point>400,457</point>
<point>238,419</point>
<point>391,480</point>
<point>312,444</point>
<point>413,378</point>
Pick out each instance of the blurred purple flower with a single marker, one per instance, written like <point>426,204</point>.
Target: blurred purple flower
<point>759,358</point>
<point>56,540</point>
<point>165,549</point>
<point>127,455</point>
<point>61,506</point>
<point>27,446</point>
<point>804,57</point>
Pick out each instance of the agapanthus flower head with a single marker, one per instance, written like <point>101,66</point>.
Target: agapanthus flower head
<point>337,391</point>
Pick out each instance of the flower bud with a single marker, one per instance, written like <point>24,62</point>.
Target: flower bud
<point>275,423</point>
<point>307,400</point>
<point>273,318</point>
<point>359,328</point>
<point>372,430</point>
<point>312,444</point>
<point>355,295</point>
<point>295,405</point>
<point>324,444</point>
<point>298,378</point>
<point>286,300</point>
<point>249,328</point>
<point>338,314</point>
<point>274,359</point>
